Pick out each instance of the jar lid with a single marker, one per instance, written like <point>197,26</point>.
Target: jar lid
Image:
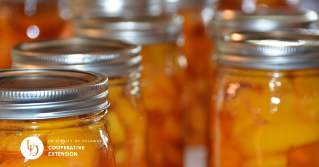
<point>32,94</point>
<point>137,29</point>
<point>187,3</point>
<point>111,58</point>
<point>274,50</point>
<point>116,7</point>
<point>263,19</point>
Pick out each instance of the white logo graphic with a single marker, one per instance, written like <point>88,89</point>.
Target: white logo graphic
<point>32,147</point>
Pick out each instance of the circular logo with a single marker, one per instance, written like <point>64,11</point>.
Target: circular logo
<point>32,147</point>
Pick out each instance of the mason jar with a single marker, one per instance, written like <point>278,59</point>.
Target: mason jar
<point>197,50</point>
<point>120,62</point>
<point>26,20</point>
<point>161,77</point>
<point>265,110</point>
<point>54,117</point>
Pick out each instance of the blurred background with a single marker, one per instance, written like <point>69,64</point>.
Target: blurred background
<point>201,21</point>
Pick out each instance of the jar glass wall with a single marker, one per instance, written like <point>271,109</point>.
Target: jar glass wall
<point>265,118</point>
<point>71,141</point>
<point>23,20</point>
<point>127,121</point>
<point>161,87</point>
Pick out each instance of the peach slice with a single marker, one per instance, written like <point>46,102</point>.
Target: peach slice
<point>115,128</point>
<point>270,138</point>
<point>271,161</point>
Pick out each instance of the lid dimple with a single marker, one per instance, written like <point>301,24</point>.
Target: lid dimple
<point>27,94</point>
<point>280,49</point>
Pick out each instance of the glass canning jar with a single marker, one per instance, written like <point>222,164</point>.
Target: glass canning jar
<point>53,118</point>
<point>25,20</point>
<point>120,62</point>
<point>161,77</point>
<point>197,50</point>
<point>265,110</point>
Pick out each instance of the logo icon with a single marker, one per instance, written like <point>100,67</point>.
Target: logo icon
<point>32,147</point>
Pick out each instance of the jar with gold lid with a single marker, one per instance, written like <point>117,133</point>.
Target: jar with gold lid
<point>120,62</point>
<point>265,110</point>
<point>54,117</point>
<point>161,77</point>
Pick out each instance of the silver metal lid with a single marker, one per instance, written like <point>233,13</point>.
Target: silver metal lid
<point>111,58</point>
<point>116,7</point>
<point>274,50</point>
<point>263,19</point>
<point>137,29</point>
<point>176,4</point>
<point>31,94</point>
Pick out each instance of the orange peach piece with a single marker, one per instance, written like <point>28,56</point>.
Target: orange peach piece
<point>138,148</point>
<point>227,157</point>
<point>115,92</point>
<point>172,155</point>
<point>122,156</point>
<point>226,125</point>
<point>269,161</point>
<point>305,156</point>
<point>307,108</point>
<point>127,113</point>
<point>243,104</point>
<point>276,106</point>
<point>306,86</point>
<point>240,125</point>
<point>270,138</point>
<point>159,93</point>
<point>173,129</point>
<point>281,109</point>
<point>115,128</point>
